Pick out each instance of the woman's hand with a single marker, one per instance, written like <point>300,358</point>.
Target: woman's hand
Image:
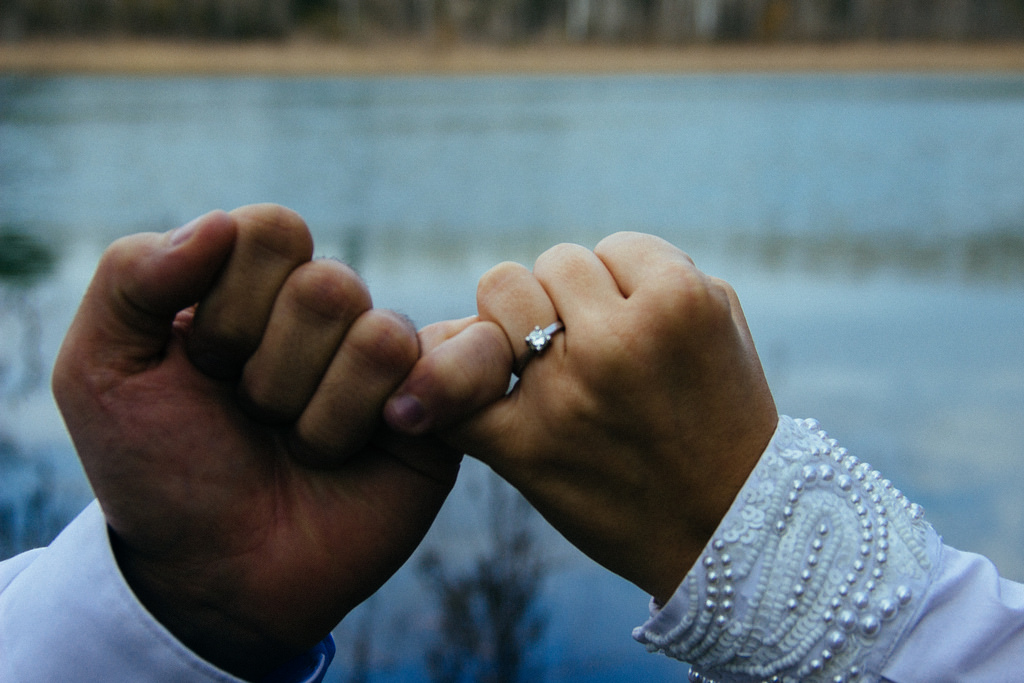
<point>634,431</point>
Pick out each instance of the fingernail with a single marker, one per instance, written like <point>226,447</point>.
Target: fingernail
<point>405,413</point>
<point>179,235</point>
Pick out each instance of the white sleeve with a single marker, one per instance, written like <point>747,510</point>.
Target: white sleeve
<point>971,627</point>
<point>815,575</point>
<point>66,614</point>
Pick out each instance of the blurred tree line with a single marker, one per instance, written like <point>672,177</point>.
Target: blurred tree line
<point>630,21</point>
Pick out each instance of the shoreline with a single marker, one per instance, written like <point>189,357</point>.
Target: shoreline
<point>311,58</point>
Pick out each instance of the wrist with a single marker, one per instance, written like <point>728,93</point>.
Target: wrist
<point>703,514</point>
<point>201,619</point>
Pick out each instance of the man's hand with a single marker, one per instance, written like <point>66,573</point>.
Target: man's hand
<point>634,431</point>
<point>236,447</point>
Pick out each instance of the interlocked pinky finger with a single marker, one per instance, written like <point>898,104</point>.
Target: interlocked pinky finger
<point>454,380</point>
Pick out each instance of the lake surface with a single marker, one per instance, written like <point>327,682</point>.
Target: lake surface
<point>873,226</point>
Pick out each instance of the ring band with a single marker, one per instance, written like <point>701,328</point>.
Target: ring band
<point>539,339</point>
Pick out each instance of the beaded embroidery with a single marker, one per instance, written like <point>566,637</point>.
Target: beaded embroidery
<point>810,578</point>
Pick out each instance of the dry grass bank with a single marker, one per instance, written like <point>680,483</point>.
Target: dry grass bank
<point>313,58</point>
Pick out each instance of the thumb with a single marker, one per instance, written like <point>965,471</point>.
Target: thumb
<point>141,283</point>
<point>453,379</point>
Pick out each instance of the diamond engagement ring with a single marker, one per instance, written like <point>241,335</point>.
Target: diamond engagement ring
<point>539,339</point>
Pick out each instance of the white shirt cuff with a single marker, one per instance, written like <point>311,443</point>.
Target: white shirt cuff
<point>814,573</point>
<point>66,614</point>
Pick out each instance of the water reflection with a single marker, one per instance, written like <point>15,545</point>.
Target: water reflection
<point>476,156</point>
<point>991,257</point>
<point>872,225</point>
<point>32,508</point>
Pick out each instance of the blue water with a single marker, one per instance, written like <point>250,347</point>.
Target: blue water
<point>873,226</point>
<point>479,155</point>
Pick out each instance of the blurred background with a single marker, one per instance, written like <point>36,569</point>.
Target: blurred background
<point>670,21</point>
<point>870,218</point>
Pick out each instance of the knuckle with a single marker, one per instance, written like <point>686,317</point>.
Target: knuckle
<point>275,229</point>
<point>385,340</point>
<point>718,300</point>
<point>125,260</point>
<point>639,242</point>
<point>328,289</point>
<point>498,280</point>
<point>561,258</point>
<point>688,312</point>
<point>688,292</point>
<point>619,240</point>
<point>121,250</point>
<point>722,290</point>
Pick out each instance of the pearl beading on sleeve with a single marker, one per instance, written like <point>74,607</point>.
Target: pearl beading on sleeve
<point>811,577</point>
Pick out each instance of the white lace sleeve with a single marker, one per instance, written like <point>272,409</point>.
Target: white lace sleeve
<point>812,576</point>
